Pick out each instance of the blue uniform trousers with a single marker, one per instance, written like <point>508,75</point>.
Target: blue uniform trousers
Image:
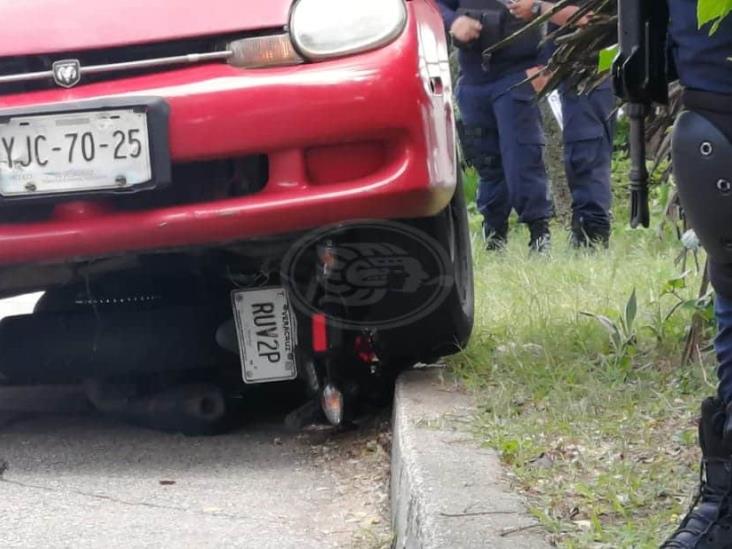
<point>505,142</point>
<point>723,345</point>
<point>589,125</point>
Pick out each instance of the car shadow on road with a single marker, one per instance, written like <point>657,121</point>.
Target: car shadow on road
<point>56,430</point>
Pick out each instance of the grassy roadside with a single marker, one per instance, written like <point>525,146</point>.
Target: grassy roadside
<point>598,430</point>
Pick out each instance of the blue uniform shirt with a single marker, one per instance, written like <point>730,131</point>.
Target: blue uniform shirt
<point>702,60</point>
<point>513,58</point>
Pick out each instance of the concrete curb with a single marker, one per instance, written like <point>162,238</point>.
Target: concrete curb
<point>446,491</point>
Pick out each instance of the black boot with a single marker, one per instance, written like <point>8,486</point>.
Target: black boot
<point>708,525</point>
<point>589,234</point>
<point>541,238</point>
<point>495,238</point>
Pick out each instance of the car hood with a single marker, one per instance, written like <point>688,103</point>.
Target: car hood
<point>50,26</point>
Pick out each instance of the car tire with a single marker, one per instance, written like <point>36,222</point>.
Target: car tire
<point>447,330</point>
<point>459,306</point>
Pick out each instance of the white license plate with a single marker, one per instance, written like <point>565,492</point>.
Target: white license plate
<point>74,152</point>
<point>267,335</point>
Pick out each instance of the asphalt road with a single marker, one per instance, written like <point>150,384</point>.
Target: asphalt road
<point>75,479</point>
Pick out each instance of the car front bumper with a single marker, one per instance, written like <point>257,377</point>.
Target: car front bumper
<point>305,119</point>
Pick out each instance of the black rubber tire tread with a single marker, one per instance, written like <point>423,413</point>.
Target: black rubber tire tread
<point>447,330</point>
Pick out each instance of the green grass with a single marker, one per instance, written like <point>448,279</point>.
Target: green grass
<point>600,436</point>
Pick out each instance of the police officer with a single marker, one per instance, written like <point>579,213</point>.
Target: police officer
<point>503,136</point>
<point>702,159</point>
<point>589,127</point>
<point>588,148</point>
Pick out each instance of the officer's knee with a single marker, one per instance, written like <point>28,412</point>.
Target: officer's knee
<point>581,157</point>
<point>702,158</point>
<point>525,158</point>
<point>489,167</point>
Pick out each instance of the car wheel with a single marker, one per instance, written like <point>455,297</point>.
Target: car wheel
<point>447,330</point>
<point>459,306</point>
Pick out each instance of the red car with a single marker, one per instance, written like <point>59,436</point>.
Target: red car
<point>223,194</point>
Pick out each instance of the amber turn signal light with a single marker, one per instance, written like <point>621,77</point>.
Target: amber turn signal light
<point>263,51</point>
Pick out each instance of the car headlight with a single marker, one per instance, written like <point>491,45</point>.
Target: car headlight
<point>330,28</point>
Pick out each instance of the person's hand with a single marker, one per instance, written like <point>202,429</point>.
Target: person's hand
<point>540,81</point>
<point>466,29</point>
<point>585,19</point>
<point>522,9</point>
<point>569,12</point>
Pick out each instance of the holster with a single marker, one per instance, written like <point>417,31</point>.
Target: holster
<point>473,153</point>
<point>469,138</point>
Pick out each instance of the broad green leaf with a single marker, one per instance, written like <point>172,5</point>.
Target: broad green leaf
<point>675,283</point>
<point>713,11</point>
<point>606,58</point>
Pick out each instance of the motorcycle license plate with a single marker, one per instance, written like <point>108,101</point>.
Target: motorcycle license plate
<point>267,334</point>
